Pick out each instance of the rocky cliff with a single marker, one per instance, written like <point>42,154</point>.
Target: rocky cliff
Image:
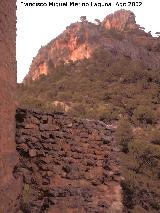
<point>121,20</point>
<point>118,34</point>
<point>68,165</point>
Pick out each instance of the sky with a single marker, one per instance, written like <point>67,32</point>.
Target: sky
<point>38,25</point>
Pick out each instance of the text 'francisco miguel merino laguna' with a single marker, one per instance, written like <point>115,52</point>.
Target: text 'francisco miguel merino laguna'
<point>71,4</point>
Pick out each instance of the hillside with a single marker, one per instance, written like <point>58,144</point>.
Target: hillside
<point>111,74</point>
<point>118,33</point>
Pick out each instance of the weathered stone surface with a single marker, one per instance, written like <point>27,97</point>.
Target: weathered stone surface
<point>9,186</point>
<point>32,153</point>
<point>121,20</point>
<point>64,172</point>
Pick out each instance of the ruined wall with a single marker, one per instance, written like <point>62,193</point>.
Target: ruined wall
<point>9,186</point>
<point>68,165</point>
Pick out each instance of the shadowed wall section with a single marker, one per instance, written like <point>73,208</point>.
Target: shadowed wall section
<point>9,186</point>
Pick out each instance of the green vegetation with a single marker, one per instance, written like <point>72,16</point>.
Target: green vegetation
<point>144,115</point>
<point>124,135</point>
<point>24,205</point>
<point>100,87</point>
<point>141,168</point>
<point>111,89</point>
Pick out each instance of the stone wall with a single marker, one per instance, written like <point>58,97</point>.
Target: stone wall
<point>9,186</point>
<point>68,165</point>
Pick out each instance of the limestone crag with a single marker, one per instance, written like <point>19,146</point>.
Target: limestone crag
<point>121,20</point>
<point>118,34</point>
<point>68,165</point>
<point>75,43</point>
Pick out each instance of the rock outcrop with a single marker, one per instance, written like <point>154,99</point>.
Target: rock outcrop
<point>9,186</point>
<point>118,34</point>
<point>68,165</point>
<point>75,43</point>
<point>121,20</point>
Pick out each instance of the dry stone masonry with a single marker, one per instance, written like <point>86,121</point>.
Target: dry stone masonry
<point>68,165</point>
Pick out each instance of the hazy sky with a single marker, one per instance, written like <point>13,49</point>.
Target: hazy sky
<point>36,25</point>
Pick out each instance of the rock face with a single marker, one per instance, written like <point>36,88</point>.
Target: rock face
<point>68,165</point>
<point>121,20</point>
<point>9,186</point>
<point>73,44</point>
<point>118,34</point>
